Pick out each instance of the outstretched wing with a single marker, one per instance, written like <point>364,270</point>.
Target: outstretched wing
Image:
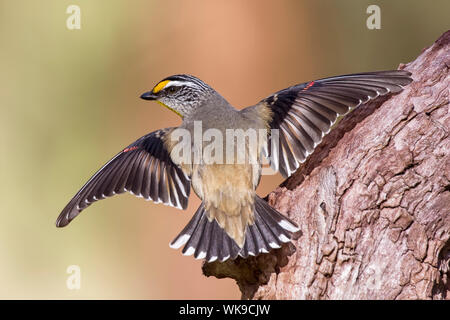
<point>304,113</point>
<point>144,168</point>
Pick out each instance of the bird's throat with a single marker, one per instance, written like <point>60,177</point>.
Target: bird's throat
<point>173,110</point>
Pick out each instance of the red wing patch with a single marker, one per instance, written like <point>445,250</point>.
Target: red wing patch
<point>309,85</point>
<point>130,149</point>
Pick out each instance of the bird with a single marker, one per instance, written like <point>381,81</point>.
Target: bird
<point>232,220</point>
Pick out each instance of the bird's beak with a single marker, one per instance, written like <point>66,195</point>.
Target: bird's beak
<point>149,96</point>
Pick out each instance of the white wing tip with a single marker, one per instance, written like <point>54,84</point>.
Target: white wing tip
<point>179,242</point>
<point>201,255</point>
<point>189,251</point>
<point>214,258</point>
<point>274,245</point>
<point>283,238</point>
<point>288,226</point>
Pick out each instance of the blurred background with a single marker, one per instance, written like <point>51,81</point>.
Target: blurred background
<point>70,101</point>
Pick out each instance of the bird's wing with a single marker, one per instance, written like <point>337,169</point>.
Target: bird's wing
<point>306,112</point>
<point>144,168</point>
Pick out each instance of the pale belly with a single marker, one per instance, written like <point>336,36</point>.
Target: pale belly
<point>228,194</point>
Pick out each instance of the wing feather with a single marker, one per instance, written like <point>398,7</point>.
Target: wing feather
<point>305,113</point>
<point>144,169</point>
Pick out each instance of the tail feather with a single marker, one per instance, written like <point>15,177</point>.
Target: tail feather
<point>207,240</point>
<point>263,245</point>
<point>225,251</point>
<point>250,248</point>
<point>270,238</point>
<point>201,248</point>
<point>193,240</point>
<point>274,221</point>
<point>213,247</point>
<point>188,230</point>
<point>234,248</point>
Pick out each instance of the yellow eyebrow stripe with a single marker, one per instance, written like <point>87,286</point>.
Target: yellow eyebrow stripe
<point>160,86</point>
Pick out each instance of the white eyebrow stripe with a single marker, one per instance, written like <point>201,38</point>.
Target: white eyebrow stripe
<point>179,83</point>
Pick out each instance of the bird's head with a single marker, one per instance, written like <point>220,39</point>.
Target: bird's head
<point>183,94</point>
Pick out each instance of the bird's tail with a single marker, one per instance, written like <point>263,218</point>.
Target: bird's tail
<point>207,240</point>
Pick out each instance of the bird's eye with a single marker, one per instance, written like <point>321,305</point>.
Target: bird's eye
<point>172,90</point>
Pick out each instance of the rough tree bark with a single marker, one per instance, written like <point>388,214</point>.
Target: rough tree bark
<point>373,203</point>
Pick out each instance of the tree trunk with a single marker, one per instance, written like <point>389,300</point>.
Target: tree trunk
<point>372,203</point>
